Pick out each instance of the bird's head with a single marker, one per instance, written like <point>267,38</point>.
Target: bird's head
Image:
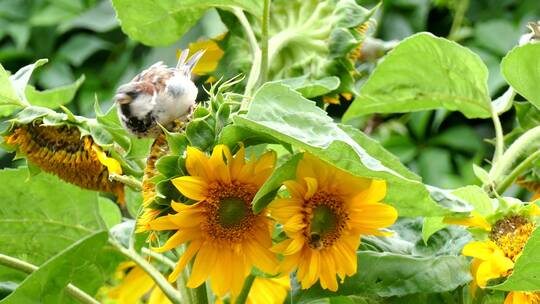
<point>126,93</point>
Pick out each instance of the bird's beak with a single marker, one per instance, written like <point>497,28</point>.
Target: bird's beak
<point>122,98</point>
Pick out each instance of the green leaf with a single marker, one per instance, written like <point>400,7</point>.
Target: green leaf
<point>425,72</point>
<point>521,68</point>
<point>283,114</point>
<point>109,212</point>
<point>431,225</point>
<point>7,92</point>
<point>19,80</point>
<point>269,189</point>
<point>53,98</point>
<point>141,20</point>
<point>46,285</point>
<point>41,216</point>
<point>101,18</point>
<point>477,197</point>
<point>310,88</point>
<point>389,274</point>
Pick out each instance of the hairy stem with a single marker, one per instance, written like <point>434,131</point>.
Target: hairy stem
<point>499,137</point>
<point>255,50</point>
<point>26,267</point>
<point>524,165</point>
<point>130,181</point>
<point>264,41</point>
<point>514,152</point>
<point>245,290</point>
<point>172,294</point>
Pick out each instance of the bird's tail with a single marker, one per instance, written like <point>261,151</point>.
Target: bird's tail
<point>186,66</point>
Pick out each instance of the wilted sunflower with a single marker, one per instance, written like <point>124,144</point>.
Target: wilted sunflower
<point>226,238</point>
<point>327,212</point>
<point>495,258</point>
<point>62,151</point>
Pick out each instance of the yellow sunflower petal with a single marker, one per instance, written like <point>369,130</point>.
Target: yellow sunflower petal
<point>191,186</point>
<point>312,186</point>
<point>204,263</point>
<point>133,287</point>
<point>197,164</point>
<point>162,223</point>
<point>296,189</point>
<point>158,297</point>
<point>475,220</point>
<point>191,250</point>
<point>113,166</point>
<point>480,250</point>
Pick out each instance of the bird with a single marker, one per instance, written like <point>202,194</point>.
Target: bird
<point>159,95</point>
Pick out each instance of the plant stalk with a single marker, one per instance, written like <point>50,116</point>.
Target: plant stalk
<point>26,267</point>
<point>264,41</point>
<point>130,181</point>
<point>499,136</point>
<point>461,9</point>
<point>256,51</point>
<point>242,297</point>
<point>524,165</point>
<point>514,152</point>
<point>172,294</point>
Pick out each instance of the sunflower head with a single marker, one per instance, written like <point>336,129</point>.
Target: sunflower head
<point>327,212</point>
<point>63,151</point>
<point>220,227</point>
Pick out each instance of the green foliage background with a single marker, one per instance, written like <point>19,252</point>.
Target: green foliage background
<point>438,146</point>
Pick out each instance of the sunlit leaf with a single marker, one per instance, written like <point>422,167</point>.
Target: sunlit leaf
<point>425,72</point>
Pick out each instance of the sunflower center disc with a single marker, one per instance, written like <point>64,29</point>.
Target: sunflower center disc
<point>232,212</point>
<point>324,220</point>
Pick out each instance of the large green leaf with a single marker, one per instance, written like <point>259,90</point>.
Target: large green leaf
<point>280,112</point>
<point>526,273</point>
<point>46,285</point>
<point>389,274</point>
<point>43,215</point>
<point>425,72</point>
<point>521,68</point>
<point>164,22</point>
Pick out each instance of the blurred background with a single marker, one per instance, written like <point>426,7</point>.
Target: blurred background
<point>82,38</point>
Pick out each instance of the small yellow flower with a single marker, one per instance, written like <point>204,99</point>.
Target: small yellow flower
<point>324,217</point>
<point>495,257</point>
<point>135,285</point>
<point>223,234</point>
<point>489,261</point>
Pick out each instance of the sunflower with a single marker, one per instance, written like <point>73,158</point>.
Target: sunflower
<point>327,212</point>
<point>226,238</point>
<point>495,258</point>
<point>64,152</point>
<point>136,284</point>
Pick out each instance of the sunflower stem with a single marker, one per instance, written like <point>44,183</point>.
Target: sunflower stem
<point>524,143</point>
<point>172,294</point>
<point>499,136</point>
<point>524,165</point>
<point>264,41</point>
<point>199,295</point>
<point>242,297</point>
<point>255,50</point>
<point>130,181</point>
<point>26,267</point>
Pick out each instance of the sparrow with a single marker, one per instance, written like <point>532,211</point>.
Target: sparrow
<point>158,96</point>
